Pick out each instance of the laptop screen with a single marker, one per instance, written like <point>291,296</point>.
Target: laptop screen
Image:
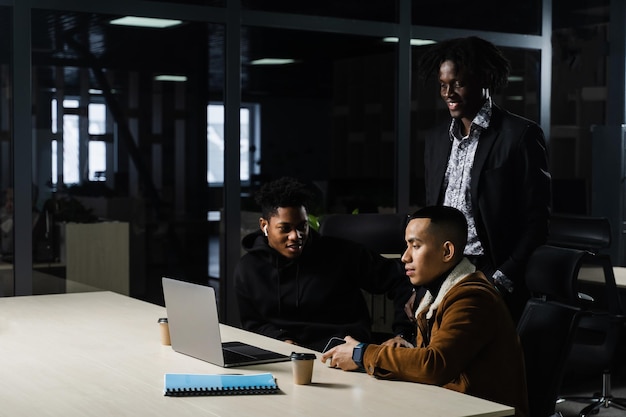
<point>195,328</point>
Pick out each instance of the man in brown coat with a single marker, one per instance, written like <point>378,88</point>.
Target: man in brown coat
<point>466,340</point>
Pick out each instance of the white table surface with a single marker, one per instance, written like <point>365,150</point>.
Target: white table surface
<point>99,354</point>
<point>596,274</point>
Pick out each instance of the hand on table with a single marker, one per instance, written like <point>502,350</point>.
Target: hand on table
<point>341,356</point>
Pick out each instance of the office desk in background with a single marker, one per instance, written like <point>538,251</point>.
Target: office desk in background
<point>48,278</point>
<point>99,354</point>
<point>595,274</point>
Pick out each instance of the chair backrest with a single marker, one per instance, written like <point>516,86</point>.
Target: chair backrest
<point>380,232</point>
<point>549,322</point>
<point>598,332</point>
<point>546,331</point>
<point>589,235</point>
<point>580,232</point>
<point>552,273</point>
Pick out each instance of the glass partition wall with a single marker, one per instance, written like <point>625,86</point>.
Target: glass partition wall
<point>149,143</point>
<point>6,161</point>
<point>120,150</point>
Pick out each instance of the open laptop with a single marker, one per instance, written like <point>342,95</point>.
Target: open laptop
<point>195,331</point>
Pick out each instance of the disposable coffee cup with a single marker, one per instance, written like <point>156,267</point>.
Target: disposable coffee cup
<point>165,331</point>
<point>302,365</point>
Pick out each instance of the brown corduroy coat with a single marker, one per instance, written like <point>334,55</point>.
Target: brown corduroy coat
<point>473,348</point>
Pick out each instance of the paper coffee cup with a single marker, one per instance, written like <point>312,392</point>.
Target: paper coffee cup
<point>165,331</point>
<point>302,365</point>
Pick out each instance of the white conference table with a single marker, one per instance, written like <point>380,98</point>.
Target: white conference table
<point>595,274</point>
<point>99,354</point>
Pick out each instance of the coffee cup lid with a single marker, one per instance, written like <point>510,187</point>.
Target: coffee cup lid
<point>302,356</point>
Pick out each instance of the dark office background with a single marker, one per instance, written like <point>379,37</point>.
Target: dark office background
<point>346,117</point>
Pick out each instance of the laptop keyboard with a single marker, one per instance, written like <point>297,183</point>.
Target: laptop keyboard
<point>235,357</point>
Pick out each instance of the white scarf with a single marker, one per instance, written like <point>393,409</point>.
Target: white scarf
<point>462,270</point>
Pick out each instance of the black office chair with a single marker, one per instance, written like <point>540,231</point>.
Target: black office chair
<point>598,333</point>
<point>548,324</point>
<point>382,233</point>
<point>580,232</point>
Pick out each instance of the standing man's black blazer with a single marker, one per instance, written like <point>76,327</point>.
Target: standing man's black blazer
<point>510,188</point>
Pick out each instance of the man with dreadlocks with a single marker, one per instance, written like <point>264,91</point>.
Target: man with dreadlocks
<point>303,288</point>
<point>490,164</point>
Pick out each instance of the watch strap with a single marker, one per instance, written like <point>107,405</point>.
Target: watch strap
<point>357,354</point>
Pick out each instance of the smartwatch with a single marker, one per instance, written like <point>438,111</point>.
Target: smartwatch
<point>357,354</point>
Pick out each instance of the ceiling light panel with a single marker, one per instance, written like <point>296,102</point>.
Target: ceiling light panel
<point>145,22</point>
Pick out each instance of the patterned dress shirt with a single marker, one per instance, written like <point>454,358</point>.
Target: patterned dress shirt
<point>458,174</point>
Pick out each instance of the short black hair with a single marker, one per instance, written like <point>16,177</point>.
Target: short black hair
<point>449,223</point>
<point>283,192</point>
<point>475,57</point>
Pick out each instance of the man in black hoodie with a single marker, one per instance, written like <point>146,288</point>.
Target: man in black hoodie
<point>303,288</point>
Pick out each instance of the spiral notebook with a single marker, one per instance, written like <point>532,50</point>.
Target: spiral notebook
<point>181,385</point>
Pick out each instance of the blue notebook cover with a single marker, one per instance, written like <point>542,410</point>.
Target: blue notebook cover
<point>219,384</point>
